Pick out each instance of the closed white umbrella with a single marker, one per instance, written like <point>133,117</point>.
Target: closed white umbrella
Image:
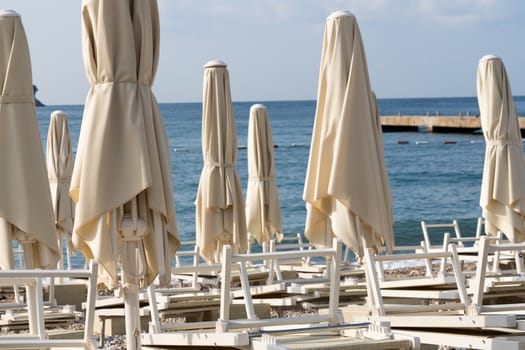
<point>26,213</point>
<point>121,179</point>
<point>503,185</point>
<point>388,237</point>
<point>346,190</point>
<point>220,216</point>
<point>59,161</point>
<point>263,210</point>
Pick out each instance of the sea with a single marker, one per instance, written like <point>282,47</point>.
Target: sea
<point>434,177</point>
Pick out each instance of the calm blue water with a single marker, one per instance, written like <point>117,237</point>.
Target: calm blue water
<point>430,181</point>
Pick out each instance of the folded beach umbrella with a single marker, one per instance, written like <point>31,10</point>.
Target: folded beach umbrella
<point>263,210</point>
<point>26,213</point>
<point>220,216</point>
<point>346,191</point>
<point>503,185</point>
<point>121,179</point>
<point>59,161</point>
<point>385,183</point>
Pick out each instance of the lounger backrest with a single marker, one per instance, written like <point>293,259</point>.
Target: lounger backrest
<point>231,261</point>
<point>442,229</point>
<point>373,266</point>
<point>515,278</point>
<point>33,281</point>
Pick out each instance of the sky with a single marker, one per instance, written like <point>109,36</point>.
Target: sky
<point>414,48</point>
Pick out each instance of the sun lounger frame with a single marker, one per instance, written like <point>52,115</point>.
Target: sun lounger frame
<point>237,332</point>
<point>37,338</point>
<point>468,341</point>
<point>482,277</point>
<point>376,303</point>
<point>224,323</point>
<point>426,235</point>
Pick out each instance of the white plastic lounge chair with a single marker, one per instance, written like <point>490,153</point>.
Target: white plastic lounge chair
<point>269,333</point>
<point>495,297</point>
<point>497,285</point>
<point>38,337</point>
<point>451,310</point>
<point>431,230</point>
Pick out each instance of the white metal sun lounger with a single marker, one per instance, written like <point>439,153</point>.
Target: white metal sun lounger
<point>251,331</point>
<point>378,285</point>
<point>489,292</point>
<point>467,247</point>
<point>497,325</point>
<point>447,313</point>
<point>37,337</point>
<point>306,268</point>
<point>469,340</point>
<point>500,284</point>
<point>427,227</point>
<point>465,244</point>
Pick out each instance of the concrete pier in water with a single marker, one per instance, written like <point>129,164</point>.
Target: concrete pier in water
<point>445,124</point>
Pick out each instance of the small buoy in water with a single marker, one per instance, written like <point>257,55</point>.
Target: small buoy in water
<point>421,142</point>
<point>402,142</point>
<point>449,142</point>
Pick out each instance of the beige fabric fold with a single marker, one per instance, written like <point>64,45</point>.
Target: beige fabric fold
<point>25,205</point>
<point>502,196</point>
<point>346,180</point>
<point>387,238</point>
<point>59,161</point>
<point>220,217</point>
<point>263,209</point>
<point>123,152</point>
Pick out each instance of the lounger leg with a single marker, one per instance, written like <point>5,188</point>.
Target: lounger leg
<point>102,331</point>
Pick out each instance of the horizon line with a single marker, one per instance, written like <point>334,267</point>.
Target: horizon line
<point>291,100</point>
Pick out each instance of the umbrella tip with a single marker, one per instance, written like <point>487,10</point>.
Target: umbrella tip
<point>9,13</point>
<point>489,57</point>
<point>58,112</point>
<point>257,106</point>
<point>340,13</point>
<point>215,63</point>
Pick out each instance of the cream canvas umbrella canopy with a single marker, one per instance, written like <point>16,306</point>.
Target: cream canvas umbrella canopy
<point>59,161</point>
<point>346,190</point>
<point>388,238</point>
<point>503,185</point>
<point>121,179</point>
<point>26,213</point>
<point>220,216</point>
<point>263,210</point>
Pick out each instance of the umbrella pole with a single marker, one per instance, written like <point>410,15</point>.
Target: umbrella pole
<point>28,255</point>
<point>27,245</point>
<point>68,254</point>
<point>60,249</point>
<point>8,260</point>
<point>6,237</point>
<point>132,261</point>
<point>60,264</point>
<point>131,309</point>
<point>329,239</point>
